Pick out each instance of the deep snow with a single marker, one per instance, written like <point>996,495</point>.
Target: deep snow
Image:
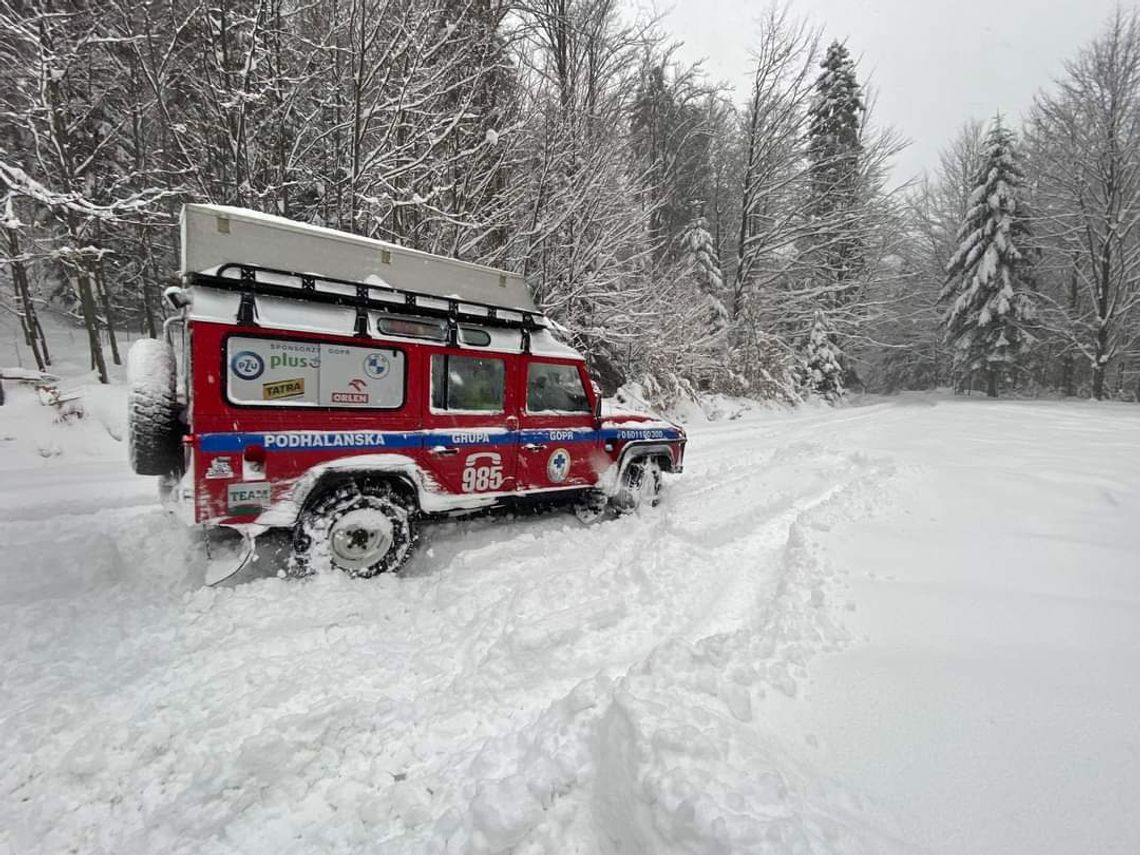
<point>907,626</point>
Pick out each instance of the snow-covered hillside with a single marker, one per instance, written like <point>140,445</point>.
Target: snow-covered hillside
<point>912,625</point>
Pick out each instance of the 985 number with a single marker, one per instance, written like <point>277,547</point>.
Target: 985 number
<point>484,471</point>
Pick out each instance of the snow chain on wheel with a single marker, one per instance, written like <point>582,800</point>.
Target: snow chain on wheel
<point>640,486</point>
<point>154,431</point>
<point>358,527</point>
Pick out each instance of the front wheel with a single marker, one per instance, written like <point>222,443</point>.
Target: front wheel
<point>359,528</point>
<point>640,486</point>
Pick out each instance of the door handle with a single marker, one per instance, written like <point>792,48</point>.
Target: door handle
<point>533,446</point>
<point>445,451</point>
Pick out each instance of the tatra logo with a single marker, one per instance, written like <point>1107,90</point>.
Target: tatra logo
<point>283,389</point>
<point>558,466</point>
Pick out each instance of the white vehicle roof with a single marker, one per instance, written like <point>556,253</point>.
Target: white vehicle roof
<point>214,235</point>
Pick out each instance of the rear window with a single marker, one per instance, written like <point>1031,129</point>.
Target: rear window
<point>413,328</point>
<point>555,388</point>
<point>467,384</point>
<point>271,372</point>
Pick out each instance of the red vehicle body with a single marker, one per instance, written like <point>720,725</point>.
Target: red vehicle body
<point>294,385</point>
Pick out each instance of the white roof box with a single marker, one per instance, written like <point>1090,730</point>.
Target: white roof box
<point>213,235</point>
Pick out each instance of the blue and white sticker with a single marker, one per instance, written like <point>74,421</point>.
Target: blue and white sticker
<point>247,365</point>
<point>558,465</point>
<point>377,365</point>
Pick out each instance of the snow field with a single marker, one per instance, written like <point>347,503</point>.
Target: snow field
<point>994,708</point>
<point>679,681</point>
<point>527,686</point>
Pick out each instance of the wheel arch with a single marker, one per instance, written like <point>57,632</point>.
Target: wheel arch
<point>309,491</point>
<point>638,449</point>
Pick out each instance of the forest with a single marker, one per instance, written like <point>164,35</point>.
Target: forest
<point>686,236</point>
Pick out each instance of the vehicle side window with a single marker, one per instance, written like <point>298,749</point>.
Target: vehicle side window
<point>467,383</point>
<point>555,388</point>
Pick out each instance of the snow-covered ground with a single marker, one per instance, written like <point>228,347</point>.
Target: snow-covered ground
<point>907,626</point>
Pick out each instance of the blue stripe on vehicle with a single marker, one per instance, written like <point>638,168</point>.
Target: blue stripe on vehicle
<point>557,435</point>
<point>640,433</point>
<point>369,440</point>
<point>309,440</point>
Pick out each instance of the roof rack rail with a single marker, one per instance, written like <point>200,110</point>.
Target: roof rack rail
<point>362,296</point>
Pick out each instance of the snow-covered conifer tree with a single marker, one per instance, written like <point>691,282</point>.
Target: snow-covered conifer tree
<point>823,374</point>
<point>834,138</point>
<point>701,256</point>
<point>836,240</point>
<point>986,290</point>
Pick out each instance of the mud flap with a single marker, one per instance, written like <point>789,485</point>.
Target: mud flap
<point>238,554</point>
<point>228,551</point>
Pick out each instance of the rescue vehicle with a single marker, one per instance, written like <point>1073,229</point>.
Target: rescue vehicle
<point>338,391</point>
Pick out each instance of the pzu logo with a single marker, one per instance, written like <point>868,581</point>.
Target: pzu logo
<point>247,365</point>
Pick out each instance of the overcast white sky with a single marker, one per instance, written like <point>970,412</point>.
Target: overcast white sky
<point>934,64</point>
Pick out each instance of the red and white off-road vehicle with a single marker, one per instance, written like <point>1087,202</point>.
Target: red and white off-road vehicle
<point>339,390</point>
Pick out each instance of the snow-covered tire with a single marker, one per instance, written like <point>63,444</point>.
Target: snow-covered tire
<point>590,508</point>
<point>357,527</point>
<point>640,486</point>
<point>154,431</point>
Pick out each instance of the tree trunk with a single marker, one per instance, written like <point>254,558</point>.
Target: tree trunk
<point>991,382</point>
<point>27,312</point>
<point>108,316</point>
<point>1100,363</point>
<point>91,322</point>
<point>43,339</point>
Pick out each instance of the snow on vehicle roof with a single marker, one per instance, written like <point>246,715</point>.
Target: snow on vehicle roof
<point>213,235</point>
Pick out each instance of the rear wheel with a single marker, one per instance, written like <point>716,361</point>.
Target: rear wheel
<point>640,486</point>
<point>357,527</point>
<point>154,430</point>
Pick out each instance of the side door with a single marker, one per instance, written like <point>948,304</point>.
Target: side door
<point>559,442</point>
<point>470,438</point>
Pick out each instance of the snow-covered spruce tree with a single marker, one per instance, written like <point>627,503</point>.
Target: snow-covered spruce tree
<point>989,301</point>
<point>834,134</point>
<point>835,149</point>
<point>822,372</point>
<point>700,254</point>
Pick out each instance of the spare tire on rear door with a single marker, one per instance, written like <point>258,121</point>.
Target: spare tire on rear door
<point>154,430</point>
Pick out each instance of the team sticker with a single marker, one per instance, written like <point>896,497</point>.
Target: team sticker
<point>247,499</point>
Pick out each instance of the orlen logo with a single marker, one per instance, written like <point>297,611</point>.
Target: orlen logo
<point>357,396</point>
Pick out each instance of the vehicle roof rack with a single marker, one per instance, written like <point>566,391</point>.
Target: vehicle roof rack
<point>252,281</point>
